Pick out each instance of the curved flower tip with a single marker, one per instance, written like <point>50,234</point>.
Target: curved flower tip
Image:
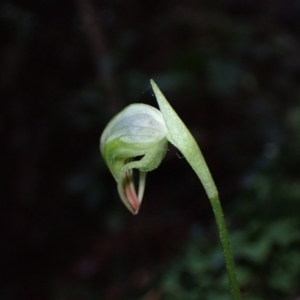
<point>134,139</point>
<point>128,193</point>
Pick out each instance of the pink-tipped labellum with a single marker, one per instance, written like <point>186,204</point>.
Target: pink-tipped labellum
<point>129,196</point>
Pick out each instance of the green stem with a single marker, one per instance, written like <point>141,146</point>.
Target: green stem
<point>223,233</point>
<point>198,164</point>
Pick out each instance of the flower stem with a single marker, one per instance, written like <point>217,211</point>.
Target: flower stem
<point>198,164</point>
<point>226,247</point>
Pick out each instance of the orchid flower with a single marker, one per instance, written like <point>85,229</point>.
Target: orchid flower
<point>137,138</point>
<point>137,131</point>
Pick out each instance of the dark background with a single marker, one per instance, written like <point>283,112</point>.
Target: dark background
<point>231,69</point>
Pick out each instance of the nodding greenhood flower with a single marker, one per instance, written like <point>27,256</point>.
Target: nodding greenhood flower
<point>137,138</point>
<point>137,131</point>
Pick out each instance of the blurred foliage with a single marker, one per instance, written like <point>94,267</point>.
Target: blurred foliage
<point>231,69</point>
